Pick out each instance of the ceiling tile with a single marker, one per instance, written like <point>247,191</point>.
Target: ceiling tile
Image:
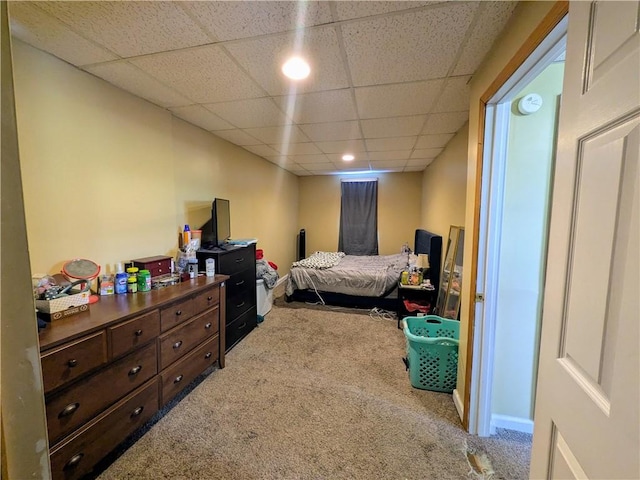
<point>386,144</point>
<point>394,155</point>
<point>426,153</point>
<point>297,149</point>
<point>238,137</point>
<point>264,56</point>
<point>278,135</point>
<point>393,127</point>
<point>406,47</point>
<point>328,132</point>
<point>200,116</point>
<point>354,166</point>
<point>261,150</point>
<point>388,164</point>
<point>130,28</point>
<point>343,146</point>
<point>320,167</point>
<point>357,9</point>
<point>492,18</point>
<point>434,141</point>
<point>445,122</point>
<point>233,20</point>
<point>205,74</point>
<point>397,99</point>
<point>456,95</point>
<point>130,78</point>
<point>330,106</point>
<point>421,162</point>
<point>303,159</point>
<point>35,27</point>
<point>253,112</point>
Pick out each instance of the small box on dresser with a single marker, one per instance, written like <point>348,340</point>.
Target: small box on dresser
<point>108,371</point>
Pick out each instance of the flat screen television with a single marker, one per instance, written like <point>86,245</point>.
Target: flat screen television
<point>217,231</point>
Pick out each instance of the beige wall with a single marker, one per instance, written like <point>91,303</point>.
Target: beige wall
<point>525,19</point>
<point>444,184</point>
<point>399,210</point>
<point>110,177</point>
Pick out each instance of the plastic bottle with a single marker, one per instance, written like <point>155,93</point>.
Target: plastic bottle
<point>144,280</point>
<point>132,285</point>
<point>186,235</point>
<point>121,281</point>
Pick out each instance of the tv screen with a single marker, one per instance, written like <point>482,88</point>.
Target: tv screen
<point>221,221</point>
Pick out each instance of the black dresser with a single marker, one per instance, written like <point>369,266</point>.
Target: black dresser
<point>240,265</point>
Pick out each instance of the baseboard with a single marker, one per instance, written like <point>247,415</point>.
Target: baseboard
<point>511,423</point>
<point>278,290</point>
<point>457,401</point>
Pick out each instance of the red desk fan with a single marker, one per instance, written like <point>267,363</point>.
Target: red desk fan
<point>82,269</point>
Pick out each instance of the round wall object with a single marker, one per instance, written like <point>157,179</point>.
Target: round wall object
<point>530,103</point>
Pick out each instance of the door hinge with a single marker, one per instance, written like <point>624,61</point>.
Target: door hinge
<point>480,297</point>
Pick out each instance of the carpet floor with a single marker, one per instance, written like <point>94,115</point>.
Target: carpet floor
<point>316,394</point>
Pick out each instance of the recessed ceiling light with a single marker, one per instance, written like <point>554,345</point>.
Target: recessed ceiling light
<point>296,68</point>
<point>347,157</point>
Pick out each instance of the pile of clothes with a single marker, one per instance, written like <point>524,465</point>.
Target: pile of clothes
<point>266,270</point>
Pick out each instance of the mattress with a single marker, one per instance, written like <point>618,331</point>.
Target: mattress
<point>369,276</point>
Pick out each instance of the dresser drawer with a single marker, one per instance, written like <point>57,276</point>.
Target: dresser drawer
<point>71,408</point>
<point>240,303</point>
<point>76,455</point>
<point>67,363</point>
<point>182,339</point>
<point>184,371</point>
<point>237,261</point>
<point>176,313</point>
<point>240,282</point>
<point>240,327</point>
<point>129,335</point>
<point>207,299</point>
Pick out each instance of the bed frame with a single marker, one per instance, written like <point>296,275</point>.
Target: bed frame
<point>424,242</point>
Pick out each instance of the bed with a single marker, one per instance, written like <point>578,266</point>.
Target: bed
<point>359,281</point>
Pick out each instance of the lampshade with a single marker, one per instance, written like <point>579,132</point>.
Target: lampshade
<point>423,260</point>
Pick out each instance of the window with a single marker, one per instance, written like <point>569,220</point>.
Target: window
<point>359,218</point>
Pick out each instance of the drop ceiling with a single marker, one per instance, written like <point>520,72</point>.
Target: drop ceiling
<point>389,80</point>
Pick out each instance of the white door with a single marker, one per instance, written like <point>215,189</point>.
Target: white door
<point>587,422</point>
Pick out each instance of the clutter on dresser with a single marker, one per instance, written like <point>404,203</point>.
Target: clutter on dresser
<point>56,297</point>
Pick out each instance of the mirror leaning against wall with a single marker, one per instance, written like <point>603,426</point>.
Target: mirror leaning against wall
<point>448,302</point>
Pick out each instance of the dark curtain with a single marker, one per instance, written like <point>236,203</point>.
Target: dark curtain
<point>359,218</point>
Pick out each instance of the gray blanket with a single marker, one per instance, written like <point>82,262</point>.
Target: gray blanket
<point>267,273</point>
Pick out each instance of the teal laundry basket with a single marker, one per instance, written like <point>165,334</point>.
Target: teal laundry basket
<point>432,352</point>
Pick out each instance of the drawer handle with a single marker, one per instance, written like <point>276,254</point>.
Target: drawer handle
<point>208,355</point>
<point>74,461</point>
<point>239,283</point>
<point>137,411</point>
<point>238,260</point>
<point>240,305</point>
<point>178,379</point>
<point>138,333</point>
<point>177,344</point>
<point>209,298</point>
<point>68,410</point>
<point>242,326</point>
<point>179,312</point>
<point>72,363</point>
<point>135,370</point>
<point>207,325</point>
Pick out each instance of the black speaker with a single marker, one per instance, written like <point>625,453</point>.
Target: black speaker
<point>301,245</point>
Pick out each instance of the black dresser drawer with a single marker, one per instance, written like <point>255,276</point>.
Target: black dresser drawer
<point>240,327</point>
<point>240,282</point>
<point>237,261</point>
<point>239,303</point>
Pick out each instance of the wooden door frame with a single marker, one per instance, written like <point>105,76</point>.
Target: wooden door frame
<point>559,10</point>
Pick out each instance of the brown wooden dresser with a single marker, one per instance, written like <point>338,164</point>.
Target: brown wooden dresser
<point>107,371</point>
